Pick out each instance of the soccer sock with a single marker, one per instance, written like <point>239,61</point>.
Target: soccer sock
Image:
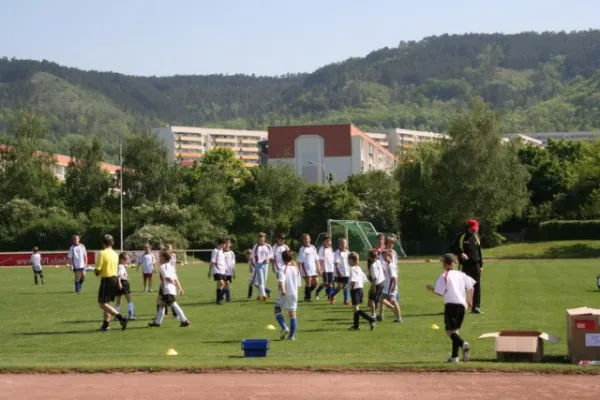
<point>356,319</point>
<point>81,281</point>
<point>346,295</point>
<point>334,292</point>
<point>105,324</point>
<point>130,309</point>
<point>228,294</point>
<point>312,288</point>
<point>177,310</point>
<point>219,295</point>
<point>320,289</point>
<point>174,312</point>
<point>77,286</point>
<point>42,277</point>
<point>268,292</point>
<point>35,278</point>
<point>280,320</point>
<point>160,316</point>
<point>306,292</point>
<point>327,291</point>
<point>119,317</point>
<point>157,308</point>
<point>250,287</point>
<point>118,308</point>
<point>293,326</point>
<point>456,338</point>
<point>366,316</point>
<point>454,349</point>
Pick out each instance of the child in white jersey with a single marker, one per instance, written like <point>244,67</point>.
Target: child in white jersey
<point>327,268</point>
<point>452,286</point>
<point>377,278</point>
<point>148,264</point>
<point>309,267</point>
<point>390,286</point>
<point>123,286</point>
<point>36,265</point>
<point>217,269</point>
<point>262,253</point>
<point>229,256</point>
<point>342,270</point>
<point>253,282</point>
<point>357,282</point>
<point>289,281</point>
<point>170,288</point>
<point>278,250</point>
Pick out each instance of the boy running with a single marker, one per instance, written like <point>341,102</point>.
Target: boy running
<point>327,268</point>
<point>217,269</point>
<point>148,264</point>
<point>307,259</point>
<point>262,253</point>
<point>452,285</point>
<point>124,289</point>
<point>390,288</point>
<point>289,282</point>
<point>77,260</point>
<point>357,281</point>
<point>36,265</point>
<point>342,270</point>
<point>229,269</point>
<point>170,288</point>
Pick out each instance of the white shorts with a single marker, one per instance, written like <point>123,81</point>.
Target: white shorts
<point>308,270</point>
<point>287,303</point>
<point>391,295</point>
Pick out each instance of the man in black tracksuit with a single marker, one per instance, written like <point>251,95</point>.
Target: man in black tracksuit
<point>467,247</point>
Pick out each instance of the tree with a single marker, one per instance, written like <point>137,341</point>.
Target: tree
<point>224,159</point>
<point>86,183</point>
<point>377,192</point>
<point>157,236</point>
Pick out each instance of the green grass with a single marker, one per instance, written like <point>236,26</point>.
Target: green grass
<point>50,328</point>
<point>546,250</point>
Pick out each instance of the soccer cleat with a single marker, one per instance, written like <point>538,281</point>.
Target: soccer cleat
<point>151,291</point>
<point>476,310</point>
<point>354,328</point>
<point>346,303</point>
<point>220,303</point>
<point>123,323</point>
<point>372,324</point>
<point>265,298</point>
<point>453,360</point>
<point>332,300</point>
<point>105,328</point>
<point>132,318</point>
<point>284,333</point>
<point>258,298</point>
<point>317,297</point>
<point>184,324</point>
<point>379,318</point>
<point>465,350</point>
<point>153,324</point>
<point>291,338</point>
<point>398,320</point>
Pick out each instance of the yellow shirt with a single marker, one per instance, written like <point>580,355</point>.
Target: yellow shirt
<point>107,263</point>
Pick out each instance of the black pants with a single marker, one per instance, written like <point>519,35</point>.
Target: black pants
<point>474,271</point>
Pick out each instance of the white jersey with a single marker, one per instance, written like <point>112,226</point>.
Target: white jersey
<point>229,262</point>
<point>390,272</point>
<point>173,260</point>
<point>340,259</point>
<point>358,277</point>
<point>376,272</point>
<point>307,258</point>
<point>122,272</point>
<point>290,279</point>
<point>394,256</point>
<point>453,285</point>
<point>277,254</point>
<point>148,261</point>
<point>77,256</point>
<point>261,254</point>
<point>326,257</point>
<point>36,261</point>
<point>167,271</point>
<point>217,262</point>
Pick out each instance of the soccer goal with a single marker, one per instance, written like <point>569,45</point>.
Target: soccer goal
<point>361,235</point>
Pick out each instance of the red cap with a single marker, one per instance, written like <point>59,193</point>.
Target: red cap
<point>473,224</point>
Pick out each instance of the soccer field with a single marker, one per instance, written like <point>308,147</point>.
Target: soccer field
<point>52,328</point>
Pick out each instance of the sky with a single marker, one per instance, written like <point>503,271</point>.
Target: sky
<point>262,37</point>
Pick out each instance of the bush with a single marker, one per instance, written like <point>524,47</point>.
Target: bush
<point>51,233</point>
<point>158,236</point>
<point>492,240</point>
<point>566,230</point>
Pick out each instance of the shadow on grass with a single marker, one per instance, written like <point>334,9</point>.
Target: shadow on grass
<point>140,319</point>
<point>221,341</point>
<point>572,251</point>
<point>422,315</point>
<point>85,332</point>
<point>593,291</point>
<point>38,293</point>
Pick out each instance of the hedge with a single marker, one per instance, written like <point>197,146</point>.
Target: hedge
<point>566,230</point>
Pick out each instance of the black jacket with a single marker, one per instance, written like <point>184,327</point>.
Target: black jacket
<point>470,244</point>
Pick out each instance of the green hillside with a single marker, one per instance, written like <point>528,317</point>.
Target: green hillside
<point>540,81</point>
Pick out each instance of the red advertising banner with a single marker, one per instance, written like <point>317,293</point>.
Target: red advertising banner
<point>48,259</point>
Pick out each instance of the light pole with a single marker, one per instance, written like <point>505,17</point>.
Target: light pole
<point>322,168</point>
<point>121,188</point>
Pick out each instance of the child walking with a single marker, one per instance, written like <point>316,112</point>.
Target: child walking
<point>170,287</point>
<point>452,285</point>
<point>357,281</point>
<point>36,265</point>
<point>327,268</point>
<point>340,260</point>
<point>124,289</point>
<point>390,287</point>
<point>229,269</point>
<point>377,281</point>
<point>148,264</point>
<point>252,282</point>
<point>289,282</point>
<point>217,269</point>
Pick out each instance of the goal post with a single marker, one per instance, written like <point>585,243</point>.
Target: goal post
<point>361,235</point>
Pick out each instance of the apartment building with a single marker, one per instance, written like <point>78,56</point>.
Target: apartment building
<point>380,138</point>
<point>527,140</point>
<point>189,144</point>
<point>62,162</point>
<point>545,136</point>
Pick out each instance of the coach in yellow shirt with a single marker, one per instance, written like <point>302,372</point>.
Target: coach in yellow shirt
<point>106,268</point>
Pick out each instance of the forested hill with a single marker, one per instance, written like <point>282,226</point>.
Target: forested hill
<point>541,82</point>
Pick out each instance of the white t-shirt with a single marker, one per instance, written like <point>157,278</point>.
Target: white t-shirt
<point>77,255</point>
<point>453,285</point>
<point>390,271</point>
<point>340,259</point>
<point>394,256</point>
<point>377,273</point>
<point>36,261</point>
<point>167,271</point>
<point>358,277</point>
<point>122,272</point>
<point>307,256</point>
<point>277,253</point>
<point>148,262</point>
<point>326,257</point>
<point>173,260</point>
<point>217,262</point>
<point>261,254</point>
<point>290,277</point>
<point>229,262</point>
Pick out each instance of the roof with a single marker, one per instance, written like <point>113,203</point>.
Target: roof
<point>374,142</point>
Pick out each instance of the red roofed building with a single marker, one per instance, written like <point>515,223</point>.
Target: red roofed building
<point>316,151</point>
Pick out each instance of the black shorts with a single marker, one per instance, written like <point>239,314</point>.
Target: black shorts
<point>327,277</point>
<point>343,280</point>
<point>454,314</point>
<point>109,289</point>
<point>376,293</point>
<point>228,278</point>
<point>37,272</point>
<point>357,296</point>
<point>167,299</point>
<point>126,289</point>
<point>218,277</point>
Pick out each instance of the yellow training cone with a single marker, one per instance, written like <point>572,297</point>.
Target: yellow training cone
<point>171,352</point>
<point>270,328</point>
<point>434,326</point>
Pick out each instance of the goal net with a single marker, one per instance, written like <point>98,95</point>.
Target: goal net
<point>361,235</point>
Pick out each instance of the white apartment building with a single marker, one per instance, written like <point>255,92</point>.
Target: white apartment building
<point>527,140</point>
<point>189,144</point>
<point>545,136</point>
<point>380,138</point>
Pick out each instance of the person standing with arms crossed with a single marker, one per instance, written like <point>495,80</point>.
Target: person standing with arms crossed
<point>467,247</point>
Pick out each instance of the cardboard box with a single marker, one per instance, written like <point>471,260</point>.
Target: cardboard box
<point>583,334</point>
<point>520,345</point>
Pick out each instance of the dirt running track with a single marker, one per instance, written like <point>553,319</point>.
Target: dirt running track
<point>291,386</point>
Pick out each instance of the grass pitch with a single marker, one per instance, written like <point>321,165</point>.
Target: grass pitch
<point>50,328</point>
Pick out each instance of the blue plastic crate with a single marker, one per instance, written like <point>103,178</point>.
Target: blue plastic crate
<point>255,347</point>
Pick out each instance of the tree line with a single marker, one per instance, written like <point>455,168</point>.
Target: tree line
<point>509,187</point>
